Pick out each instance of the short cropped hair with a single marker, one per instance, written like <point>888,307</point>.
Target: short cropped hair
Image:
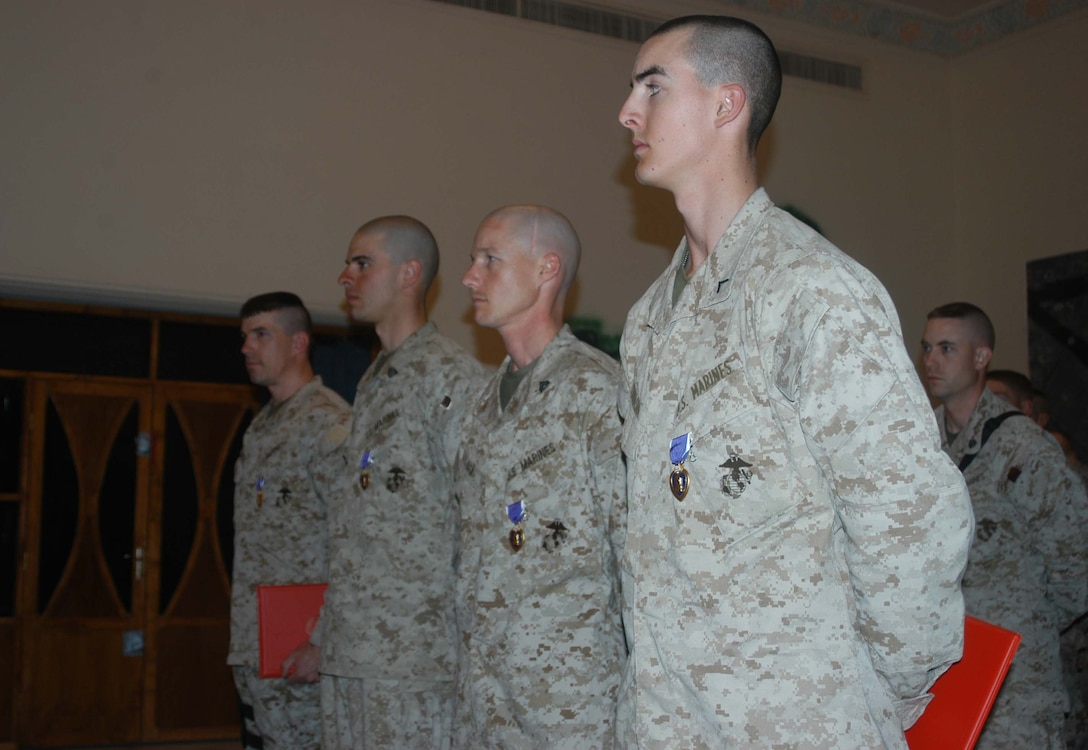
<point>974,316</point>
<point>406,238</point>
<point>723,49</point>
<point>293,315</point>
<point>1017,382</point>
<point>542,229</point>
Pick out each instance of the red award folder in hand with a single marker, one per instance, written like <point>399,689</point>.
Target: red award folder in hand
<point>286,616</point>
<point>964,695</point>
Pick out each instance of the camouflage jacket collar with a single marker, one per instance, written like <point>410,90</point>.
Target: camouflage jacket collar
<point>711,283</point>
<point>546,373</point>
<point>291,409</point>
<point>970,438</point>
<point>410,354</point>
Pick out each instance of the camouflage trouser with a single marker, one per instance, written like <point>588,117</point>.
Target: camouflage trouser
<point>1075,672</point>
<point>1010,732</point>
<point>362,714</point>
<point>276,714</point>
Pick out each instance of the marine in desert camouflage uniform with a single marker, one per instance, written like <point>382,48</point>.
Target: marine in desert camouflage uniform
<point>1016,389</point>
<point>795,534</point>
<point>280,482</point>
<point>387,628</point>
<point>541,489</point>
<point>1028,569</point>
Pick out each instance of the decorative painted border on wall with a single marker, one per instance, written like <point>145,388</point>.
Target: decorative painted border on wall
<point>900,27</point>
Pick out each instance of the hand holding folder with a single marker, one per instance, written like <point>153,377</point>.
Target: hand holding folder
<point>964,695</point>
<point>286,616</point>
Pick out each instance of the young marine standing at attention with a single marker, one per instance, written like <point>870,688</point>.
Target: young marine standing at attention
<point>796,536</point>
<point>386,634</point>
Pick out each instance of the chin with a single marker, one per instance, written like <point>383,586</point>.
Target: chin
<point>647,176</point>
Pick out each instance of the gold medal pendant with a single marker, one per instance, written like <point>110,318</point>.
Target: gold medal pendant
<point>517,537</point>
<point>364,479</point>
<point>679,482</point>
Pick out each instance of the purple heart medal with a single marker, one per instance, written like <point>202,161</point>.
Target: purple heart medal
<point>679,451</point>
<point>364,468</point>
<point>516,513</point>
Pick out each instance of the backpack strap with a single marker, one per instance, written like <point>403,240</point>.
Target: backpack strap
<point>987,430</point>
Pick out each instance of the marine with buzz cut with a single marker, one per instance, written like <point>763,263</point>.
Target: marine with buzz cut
<point>1028,569</point>
<point>387,632</point>
<point>540,485</point>
<point>796,536</point>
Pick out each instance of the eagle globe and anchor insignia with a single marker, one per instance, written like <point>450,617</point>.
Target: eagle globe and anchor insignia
<point>739,476</point>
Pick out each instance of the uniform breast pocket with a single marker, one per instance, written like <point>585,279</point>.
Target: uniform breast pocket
<point>740,478</point>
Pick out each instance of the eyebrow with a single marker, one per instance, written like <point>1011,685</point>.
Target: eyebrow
<point>653,70</point>
<point>357,258</point>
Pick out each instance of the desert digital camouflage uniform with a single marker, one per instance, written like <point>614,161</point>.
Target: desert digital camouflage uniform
<point>387,628</point>
<point>805,592</point>
<point>1074,647</point>
<point>1028,569</point>
<point>280,537</point>
<point>541,646</point>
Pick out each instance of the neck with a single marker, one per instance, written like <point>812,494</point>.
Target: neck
<point>709,205</point>
<point>393,331</point>
<point>527,340</point>
<point>959,408</point>
<point>290,383</point>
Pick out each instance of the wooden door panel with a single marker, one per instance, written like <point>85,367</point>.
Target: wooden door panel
<point>79,685</point>
<point>190,688</point>
<point>83,690</point>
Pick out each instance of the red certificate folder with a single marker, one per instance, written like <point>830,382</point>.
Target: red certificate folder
<point>286,616</point>
<point>963,696</point>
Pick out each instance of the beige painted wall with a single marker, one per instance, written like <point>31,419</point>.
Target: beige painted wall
<point>1020,127</point>
<point>188,155</point>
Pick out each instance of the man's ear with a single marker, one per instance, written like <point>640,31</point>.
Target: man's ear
<point>730,102</point>
<point>411,273</point>
<point>983,355</point>
<point>551,266</point>
<point>300,343</point>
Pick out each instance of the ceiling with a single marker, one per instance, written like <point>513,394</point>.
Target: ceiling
<point>942,27</point>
